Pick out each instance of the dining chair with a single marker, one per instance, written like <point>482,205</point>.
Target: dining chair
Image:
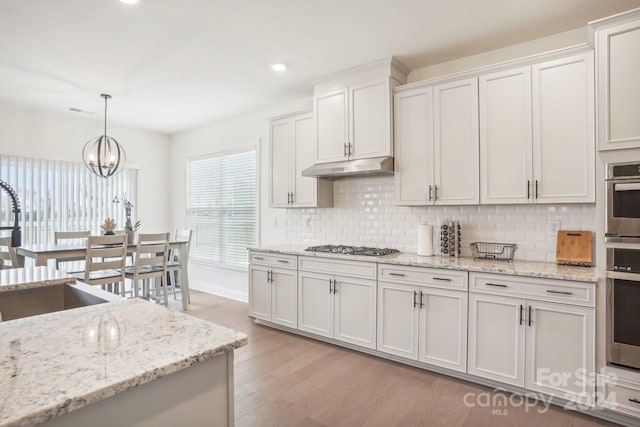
<point>8,256</point>
<point>173,263</point>
<point>105,261</point>
<point>70,237</point>
<point>150,262</point>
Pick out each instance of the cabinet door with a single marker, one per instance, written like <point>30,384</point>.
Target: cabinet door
<point>355,311</point>
<point>496,338</point>
<point>618,86</point>
<point>505,137</point>
<point>442,335</point>
<point>398,319</point>
<point>284,298</point>
<point>259,293</point>
<point>280,160</point>
<point>561,350</point>
<point>413,115</point>
<point>564,130</point>
<point>370,119</point>
<point>456,146</point>
<point>315,304</point>
<point>304,188</point>
<point>331,126</point>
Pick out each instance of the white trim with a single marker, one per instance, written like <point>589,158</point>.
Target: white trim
<point>513,63</point>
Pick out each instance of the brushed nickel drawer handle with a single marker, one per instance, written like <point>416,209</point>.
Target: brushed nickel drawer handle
<point>283,261</point>
<point>442,279</point>
<point>634,400</point>
<point>550,291</point>
<point>396,274</point>
<point>259,258</point>
<point>497,285</point>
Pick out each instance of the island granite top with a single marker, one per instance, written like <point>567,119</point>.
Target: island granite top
<point>58,362</point>
<point>546,270</point>
<point>32,277</point>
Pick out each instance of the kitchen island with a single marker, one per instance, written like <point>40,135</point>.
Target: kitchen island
<point>123,362</point>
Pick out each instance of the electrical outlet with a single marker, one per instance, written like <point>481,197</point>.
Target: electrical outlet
<point>553,226</point>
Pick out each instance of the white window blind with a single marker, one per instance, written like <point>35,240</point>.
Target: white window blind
<point>61,196</point>
<point>221,207</point>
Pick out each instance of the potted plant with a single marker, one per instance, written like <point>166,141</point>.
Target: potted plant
<point>129,226</point>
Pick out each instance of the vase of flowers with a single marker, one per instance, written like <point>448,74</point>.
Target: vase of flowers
<point>129,226</point>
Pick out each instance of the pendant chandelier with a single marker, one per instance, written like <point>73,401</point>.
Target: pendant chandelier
<point>103,155</point>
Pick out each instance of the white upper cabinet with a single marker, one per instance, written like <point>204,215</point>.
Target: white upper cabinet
<point>437,150</point>
<point>537,133</point>
<point>353,112</point>
<point>456,148</point>
<point>331,126</point>
<point>564,130</point>
<point>617,45</point>
<point>370,120</point>
<point>505,136</point>
<point>280,160</point>
<point>414,146</point>
<point>291,142</point>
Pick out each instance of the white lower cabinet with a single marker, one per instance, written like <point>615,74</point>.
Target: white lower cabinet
<point>496,338</point>
<point>273,292</point>
<point>543,346</point>
<point>338,307</point>
<point>422,323</point>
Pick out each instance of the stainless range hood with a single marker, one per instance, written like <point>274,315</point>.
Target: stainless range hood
<point>349,168</point>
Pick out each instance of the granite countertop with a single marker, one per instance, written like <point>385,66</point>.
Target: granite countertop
<point>33,277</point>
<point>58,362</point>
<point>546,270</point>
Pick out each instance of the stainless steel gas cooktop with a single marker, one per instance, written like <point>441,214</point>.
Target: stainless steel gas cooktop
<point>352,250</point>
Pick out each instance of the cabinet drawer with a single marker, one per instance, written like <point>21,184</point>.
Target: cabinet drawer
<point>563,291</point>
<point>433,277</point>
<point>365,270</point>
<point>619,395</point>
<point>273,260</point>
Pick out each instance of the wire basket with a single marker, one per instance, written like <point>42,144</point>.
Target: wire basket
<point>500,251</point>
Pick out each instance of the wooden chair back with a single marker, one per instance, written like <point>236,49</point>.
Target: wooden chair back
<point>8,256</point>
<point>73,236</point>
<point>151,255</point>
<point>105,260</point>
<point>70,237</point>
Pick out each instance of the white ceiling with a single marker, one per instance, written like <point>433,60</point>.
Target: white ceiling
<point>174,64</point>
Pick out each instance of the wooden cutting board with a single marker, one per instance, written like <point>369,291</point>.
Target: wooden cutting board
<point>574,248</point>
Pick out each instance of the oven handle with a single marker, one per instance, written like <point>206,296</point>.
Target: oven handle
<point>626,186</point>
<point>624,276</point>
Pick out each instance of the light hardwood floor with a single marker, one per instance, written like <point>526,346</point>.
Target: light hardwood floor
<point>283,379</point>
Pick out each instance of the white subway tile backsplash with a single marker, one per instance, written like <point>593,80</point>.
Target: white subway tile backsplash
<point>365,213</point>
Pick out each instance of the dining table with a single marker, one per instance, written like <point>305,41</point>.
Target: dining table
<point>42,253</point>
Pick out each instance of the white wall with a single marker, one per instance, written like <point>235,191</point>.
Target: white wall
<point>50,135</point>
<point>546,44</point>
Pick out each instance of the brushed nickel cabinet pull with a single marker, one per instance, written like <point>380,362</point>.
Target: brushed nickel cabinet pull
<point>441,279</point>
<point>396,274</point>
<point>497,285</point>
<point>559,292</point>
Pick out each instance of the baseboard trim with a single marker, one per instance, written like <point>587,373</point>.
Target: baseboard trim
<point>219,291</point>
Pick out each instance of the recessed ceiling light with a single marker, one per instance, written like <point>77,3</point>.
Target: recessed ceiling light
<point>278,66</point>
<point>130,1</point>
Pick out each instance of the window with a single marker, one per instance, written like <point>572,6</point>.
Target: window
<point>221,207</point>
<point>61,196</point>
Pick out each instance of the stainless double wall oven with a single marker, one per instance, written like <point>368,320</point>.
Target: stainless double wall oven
<point>622,230</point>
